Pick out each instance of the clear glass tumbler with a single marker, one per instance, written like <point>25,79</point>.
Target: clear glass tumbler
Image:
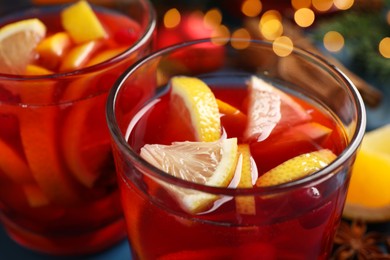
<point>291,220</point>
<point>58,190</point>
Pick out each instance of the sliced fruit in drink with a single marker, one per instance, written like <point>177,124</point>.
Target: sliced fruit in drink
<point>194,101</point>
<point>232,119</point>
<point>80,21</point>
<point>105,55</point>
<point>269,110</point>
<point>78,56</point>
<point>53,48</point>
<point>35,196</point>
<point>246,204</point>
<point>296,168</point>
<point>368,195</point>
<point>18,41</point>
<point>42,154</point>
<point>86,150</point>
<point>263,109</point>
<point>298,139</point>
<point>207,163</point>
<point>13,165</point>
<point>35,70</point>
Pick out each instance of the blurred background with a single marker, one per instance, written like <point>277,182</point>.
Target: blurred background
<point>352,34</point>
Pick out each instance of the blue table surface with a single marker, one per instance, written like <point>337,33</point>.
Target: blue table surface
<point>9,250</point>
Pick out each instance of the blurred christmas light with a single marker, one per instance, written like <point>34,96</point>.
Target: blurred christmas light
<point>242,34</point>
<point>270,25</point>
<point>283,46</point>
<point>388,17</point>
<point>343,4</point>
<point>322,5</point>
<point>213,17</point>
<point>251,8</point>
<point>172,18</point>
<point>304,17</point>
<point>384,47</point>
<point>220,31</point>
<point>298,4</point>
<point>333,41</point>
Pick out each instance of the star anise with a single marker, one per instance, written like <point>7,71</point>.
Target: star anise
<point>354,242</point>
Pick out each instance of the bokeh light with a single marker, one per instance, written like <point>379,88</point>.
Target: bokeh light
<point>221,31</point>
<point>242,34</point>
<point>213,18</point>
<point>384,47</point>
<point>270,25</point>
<point>283,46</point>
<point>304,17</point>
<point>172,18</point>
<point>322,5</point>
<point>333,41</point>
<point>343,4</point>
<point>298,4</point>
<point>251,8</point>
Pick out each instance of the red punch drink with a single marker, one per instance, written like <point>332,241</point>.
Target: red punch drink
<point>237,162</point>
<point>58,192</point>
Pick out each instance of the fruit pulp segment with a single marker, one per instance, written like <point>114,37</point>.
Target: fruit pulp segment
<point>284,226</point>
<point>57,178</point>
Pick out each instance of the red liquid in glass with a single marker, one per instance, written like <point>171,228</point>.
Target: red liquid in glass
<point>288,225</point>
<point>58,190</point>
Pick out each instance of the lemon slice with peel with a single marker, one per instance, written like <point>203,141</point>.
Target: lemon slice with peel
<point>193,99</point>
<point>18,41</point>
<point>296,168</point>
<point>246,204</point>
<point>207,163</point>
<point>368,196</point>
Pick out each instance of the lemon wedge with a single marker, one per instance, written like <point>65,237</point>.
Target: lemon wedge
<point>18,41</point>
<point>246,204</point>
<point>368,196</point>
<point>296,168</point>
<point>193,99</point>
<point>207,163</point>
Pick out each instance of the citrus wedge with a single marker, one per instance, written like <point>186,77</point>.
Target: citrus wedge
<point>296,168</point>
<point>207,163</point>
<point>270,108</point>
<point>246,204</point>
<point>368,195</point>
<point>193,99</point>
<point>80,21</point>
<point>263,109</point>
<point>18,41</point>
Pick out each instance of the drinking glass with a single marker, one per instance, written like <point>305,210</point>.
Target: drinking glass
<point>293,220</point>
<point>58,190</point>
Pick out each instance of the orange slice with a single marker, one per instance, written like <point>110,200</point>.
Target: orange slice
<point>35,70</point>
<point>193,99</point>
<point>80,21</point>
<point>208,163</point>
<point>85,140</point>
<point>35,196</point>
<point>105,55</point>
<point>39,135</point>
<point>13,165</point>
<point>368,196</point>
<point>53,48</point>
<point>296,168</point>
<point>246,204</point>
<point>17,44</point>
<point>78,56</point>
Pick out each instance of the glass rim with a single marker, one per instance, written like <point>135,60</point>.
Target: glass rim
<point>141,41</point>
<point>326,172</point>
